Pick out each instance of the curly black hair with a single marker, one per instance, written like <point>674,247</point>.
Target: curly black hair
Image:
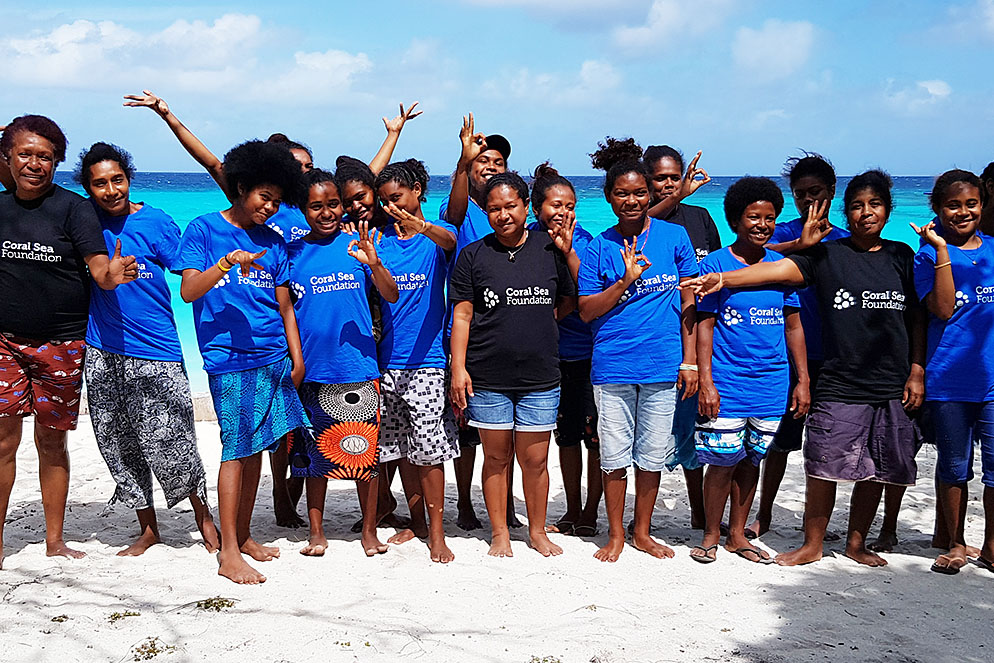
<point>986,178</point>
<point>877,181</point>
<point>36,124</point>
<point>545,178</point>
<point>281,139</point>
<point>102,152</point>
<point>944,181</point>
<point>747,191</point>
<point>349,169</point>
<point>617,158</point>
<point>311,178</point>
<point>654,153</point>
<point>406,173</point>
<point>256,163</point>
<point>810,163</point>
<point>511,179</point>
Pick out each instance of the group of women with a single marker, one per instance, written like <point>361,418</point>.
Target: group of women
<point>354,336</point>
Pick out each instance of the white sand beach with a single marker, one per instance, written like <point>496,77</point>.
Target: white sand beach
<point>529,609</point>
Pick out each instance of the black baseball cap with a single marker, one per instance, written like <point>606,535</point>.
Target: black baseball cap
<point>499,143</point>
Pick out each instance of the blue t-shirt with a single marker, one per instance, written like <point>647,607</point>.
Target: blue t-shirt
<point>576,341</point>
<point>960,363</point>
<point>749,351</point>
<point>475,225</point>
<point>810,318</point>
<point>332,306</point>
<point>638,341</point>
<point>238,321</point>
<point>289,223</point>
<point>413,325</point>
<point>136,319</point>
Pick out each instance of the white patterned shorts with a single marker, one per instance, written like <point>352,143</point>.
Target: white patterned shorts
<point>416,421</point>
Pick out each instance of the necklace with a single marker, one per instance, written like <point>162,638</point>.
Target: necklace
<point>511,254</point>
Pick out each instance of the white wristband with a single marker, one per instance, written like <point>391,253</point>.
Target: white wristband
<point>688,367</point>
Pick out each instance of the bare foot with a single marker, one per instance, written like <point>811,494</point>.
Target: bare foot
<point>512,520</point>
<point>950,563</point>
<point>403,536</point>
<point>864,556</point>
<point>236,569</point>
<point>372,546</point>
<point>316,545</point>
<point>611,551</point>
<point>144,542</point>
<point>649,545</point>
<point>943,544</point>
<point>286,515</point>
<point>209,533</point>
<point>439,551</point>
<point>803,555</point>
<point>540,542</point>
<point>60,549</point>
<point>259,552</point>
<point>467,520</point>
<point>500,546</point>
<point>884,543</point>
<point>757,529</point>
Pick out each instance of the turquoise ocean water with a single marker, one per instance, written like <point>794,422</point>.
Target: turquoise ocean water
<point>186,196</point>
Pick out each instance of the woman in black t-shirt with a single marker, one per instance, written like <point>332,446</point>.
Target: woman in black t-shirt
<point>859,429</point>
<point>508,291</point>
<point>51,246</point>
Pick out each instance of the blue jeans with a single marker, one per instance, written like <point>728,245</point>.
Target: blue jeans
<point>636,426</point>
<point>526,411</point>
<point>957,424</point>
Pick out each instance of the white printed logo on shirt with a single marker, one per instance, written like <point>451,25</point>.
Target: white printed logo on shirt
<point>225,280</point>
<point>29,251</point>
<point>843,299</point>
<point>961,298</point>
<point>298,290</point>
<point>731,316</point>
<point>490,298</point>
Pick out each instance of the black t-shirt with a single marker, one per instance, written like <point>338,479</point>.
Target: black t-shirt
<point>513,336</point>
<point>43,278</point>
<point>866,300</point>
<point>699,226</point>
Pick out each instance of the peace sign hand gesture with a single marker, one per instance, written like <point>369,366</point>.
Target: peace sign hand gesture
<point>635,261</point>
<point>148,100</point>
<point>246,260</point>
<point>928,234</point>
<point>364,248</point>
<point>395,125</point>
<point>817,226</point>
<point>690,182</point>
<point>473,143</point>
<point>562,234</point>
<point>407,224</point>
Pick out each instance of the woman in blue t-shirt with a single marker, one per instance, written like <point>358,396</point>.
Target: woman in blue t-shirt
<point>644,366</point>
<point>418,429</point>
<point>554,206</point>
<point>743,335</point>
<point>954,276</point>
<point>247,334</point>
<point>332,275</point>
<point>137,388</point>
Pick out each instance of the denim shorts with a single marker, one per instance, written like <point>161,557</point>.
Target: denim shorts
<point>526,411</point>
<point>635,423</point>
<point>957,425</point>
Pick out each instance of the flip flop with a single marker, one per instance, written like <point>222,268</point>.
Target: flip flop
<point>706,558</point>
<point>744,552</point>
<point>585,530</point>
<point>984,563</point>
<point>563,527</point>
<point>944,570</point>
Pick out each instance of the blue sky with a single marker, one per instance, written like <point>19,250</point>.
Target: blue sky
<point>901,85</point>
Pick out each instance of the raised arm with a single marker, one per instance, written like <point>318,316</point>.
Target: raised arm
<point>941,301</point>
<point>394,127</point>
<point>407,225</point>
<point>473,144</point>
<point>816,228</point>
<point>196,283</point>
<point>688,186</point>
<point>191,143</point>
<point>562,237</point>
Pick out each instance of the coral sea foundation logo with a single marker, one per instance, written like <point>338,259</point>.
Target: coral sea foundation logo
<point>843,299</point>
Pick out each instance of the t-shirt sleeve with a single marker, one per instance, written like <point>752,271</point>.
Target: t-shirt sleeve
<point>906,255</point>
<point>443,208</point>
<point>791,299</point>
<point>192,250</point>
<point>807,261</point>
<point>566,286</point>
<point>282,274</point>
<point>686,257</point>
<point>588,279</point>
<point>709,303</point>
<point>83,229</point>
<point>714,238</point>
<point>461,283</point>
<point>924,271</point>
<point>442,223</point>
<point>784,232</point>
<point>167,243</point>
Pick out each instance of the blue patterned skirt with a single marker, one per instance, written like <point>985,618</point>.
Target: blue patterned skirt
<point>256,408</point>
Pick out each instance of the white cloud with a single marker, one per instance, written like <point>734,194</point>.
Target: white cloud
<point>315,78</point>
<point>586,87</point>
<point>918,98</point>
<point>671,19</point>
<point>775,51</point>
